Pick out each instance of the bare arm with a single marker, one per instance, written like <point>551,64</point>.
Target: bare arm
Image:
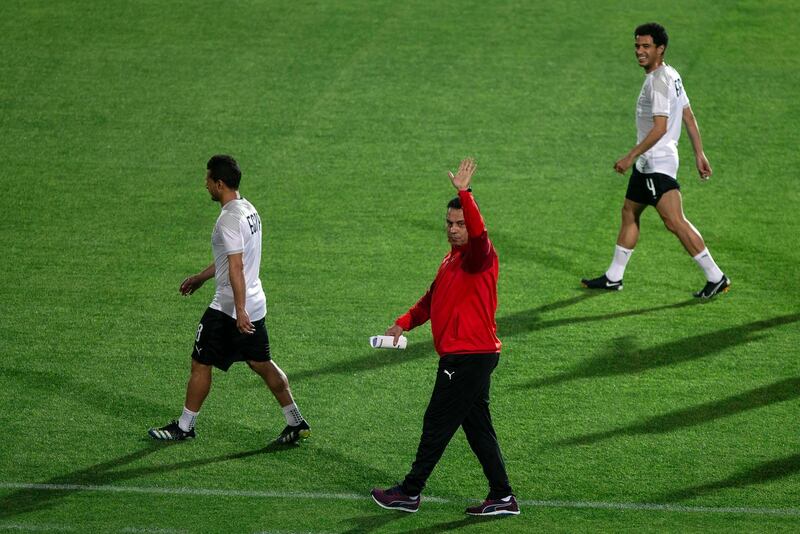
<point>236,275</point>
<point>703,167</point>
<point>656,132</point>
<point>193,283</point>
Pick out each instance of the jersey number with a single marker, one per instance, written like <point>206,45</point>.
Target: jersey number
<point>648,182</point>
<point>678,86</point>
<point>199,331</point>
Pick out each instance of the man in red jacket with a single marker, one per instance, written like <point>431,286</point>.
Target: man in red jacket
<point>460,304</point>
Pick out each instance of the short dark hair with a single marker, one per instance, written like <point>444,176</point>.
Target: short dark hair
<point>654,30</point>
<point>224,168</point>
<point>455,203</point>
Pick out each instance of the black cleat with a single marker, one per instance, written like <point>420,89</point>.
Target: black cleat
<point>602,282</point>
<point>171,432</point>
<point>712,288</point>
<point>293,434</point>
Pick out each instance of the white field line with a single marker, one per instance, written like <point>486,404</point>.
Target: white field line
<point>196,491</point>
<point>33,527</point>
<point>22,527</point>
<point>260,494</point>
<point>664,507</point>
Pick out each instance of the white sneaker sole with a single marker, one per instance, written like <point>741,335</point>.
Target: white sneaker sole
<point>496,512</point>
<point>398,508</point>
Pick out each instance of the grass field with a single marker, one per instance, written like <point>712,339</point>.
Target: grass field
<point>633,411</point>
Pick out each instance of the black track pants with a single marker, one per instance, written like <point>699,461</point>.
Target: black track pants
<point>460,399</point>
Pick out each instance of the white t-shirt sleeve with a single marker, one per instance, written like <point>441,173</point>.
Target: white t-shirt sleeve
<point>231,232</point>
<point>660,97</point>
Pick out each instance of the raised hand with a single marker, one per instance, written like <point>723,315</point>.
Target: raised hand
<point>463,177</point>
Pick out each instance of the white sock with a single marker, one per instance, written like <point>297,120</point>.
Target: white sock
<point>186,422</point>
<point>709,266</point>
<point>618,263</point>
<point>292,414</point>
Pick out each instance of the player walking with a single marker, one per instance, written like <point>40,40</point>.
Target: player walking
<point>233,328</point>
<point>461,306</point>
<point>661,106</point>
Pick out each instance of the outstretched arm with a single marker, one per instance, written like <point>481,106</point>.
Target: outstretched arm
<point>703,167</point>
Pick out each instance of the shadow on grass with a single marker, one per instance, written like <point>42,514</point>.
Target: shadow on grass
<point>355,475</point>
<point>509,325</point>
<point>765,472</point>
<point>108,473</point>
<point>625,358</point>
<point>113,471</point>
<point>460,523</point>
<point>530,321</point>
<point>109,402</point>
<point>781,391</point>
<point>374,522</point>
<point>374,359</point>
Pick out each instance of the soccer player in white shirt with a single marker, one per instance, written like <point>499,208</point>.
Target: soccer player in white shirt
<point>233,327</point>
<point>661,108</point>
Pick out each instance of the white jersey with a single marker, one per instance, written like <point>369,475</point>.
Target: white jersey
<point>238,229</point>
<point>662,95</point>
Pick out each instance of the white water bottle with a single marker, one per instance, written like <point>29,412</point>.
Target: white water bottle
<point>387,342</point>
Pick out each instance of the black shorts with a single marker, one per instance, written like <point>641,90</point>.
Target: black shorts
<point>648,188</point>
<point>219,343</point>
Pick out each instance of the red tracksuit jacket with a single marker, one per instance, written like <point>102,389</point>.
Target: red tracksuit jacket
<point>462,300</point>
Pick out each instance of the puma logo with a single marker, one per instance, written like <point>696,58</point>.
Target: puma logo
<point>449,374</point>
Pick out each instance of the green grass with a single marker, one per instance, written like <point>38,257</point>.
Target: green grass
<point>345,118</point>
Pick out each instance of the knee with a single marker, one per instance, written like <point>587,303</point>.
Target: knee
<point>200,370</point>
<point>629,216</point>
<point>278,384</point>
<point>272,375</point>
<point>673,224</point>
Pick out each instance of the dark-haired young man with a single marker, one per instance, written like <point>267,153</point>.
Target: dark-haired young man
<point>661,107</point>
<point>233,328</point>
<point>461,306</point>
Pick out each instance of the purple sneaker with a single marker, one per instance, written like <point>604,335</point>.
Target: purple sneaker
<point>495,507</point>
<point>394,499</point>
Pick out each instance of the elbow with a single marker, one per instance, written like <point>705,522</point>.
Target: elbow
<point>659,127</point>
